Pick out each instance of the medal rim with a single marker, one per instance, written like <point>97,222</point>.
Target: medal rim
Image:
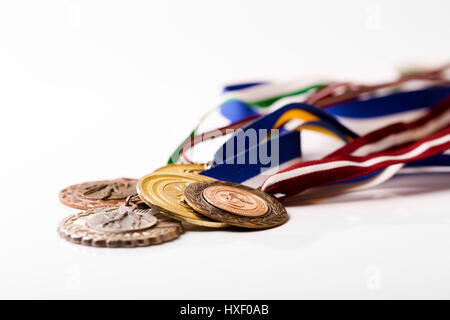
<point>176,168</point>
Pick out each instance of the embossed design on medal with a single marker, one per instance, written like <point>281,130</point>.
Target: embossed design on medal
<point>235,204</point>
<point>164,191</point>
<point>234,200</point>
<point>96,194</point>
<point>125,226</point>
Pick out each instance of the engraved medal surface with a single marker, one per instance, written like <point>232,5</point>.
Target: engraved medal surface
<point>121,219</point>
<point>110,190</point>
<point>235,204</point>
<point>97,194</point>
<point>124,226</point>
<point>164,191</point>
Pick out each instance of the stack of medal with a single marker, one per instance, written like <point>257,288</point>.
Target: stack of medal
<point>222,195</point>
<point>114,216</point>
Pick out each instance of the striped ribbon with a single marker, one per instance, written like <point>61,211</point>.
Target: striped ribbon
<point>390,146</point>
<point>364,161</point>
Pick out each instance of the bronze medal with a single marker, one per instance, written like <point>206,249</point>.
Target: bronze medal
<point>194,168</point>
<point>235,204</point>
<point>97,194</point>
<point>129,225</point>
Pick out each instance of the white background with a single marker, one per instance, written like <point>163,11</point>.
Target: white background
<point>103,89</point>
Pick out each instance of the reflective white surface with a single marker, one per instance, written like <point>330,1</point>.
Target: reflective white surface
<point>94,90</point>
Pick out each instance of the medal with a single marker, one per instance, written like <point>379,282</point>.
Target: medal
<point>126,226</point>
<point>96,194</point>
<point>235,204</point>
<point>164,192</point>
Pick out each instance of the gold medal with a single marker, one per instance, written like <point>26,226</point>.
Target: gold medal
<point>235,204</point>
<point>164,191</point>
<point>194,168</point>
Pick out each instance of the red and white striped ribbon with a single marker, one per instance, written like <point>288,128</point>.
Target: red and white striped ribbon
<point>390,146</point>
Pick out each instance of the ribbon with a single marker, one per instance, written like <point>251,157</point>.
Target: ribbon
<point>240,112</point>
<point>228,167</point>
<point>398,143</point>
<point>363,162</point>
